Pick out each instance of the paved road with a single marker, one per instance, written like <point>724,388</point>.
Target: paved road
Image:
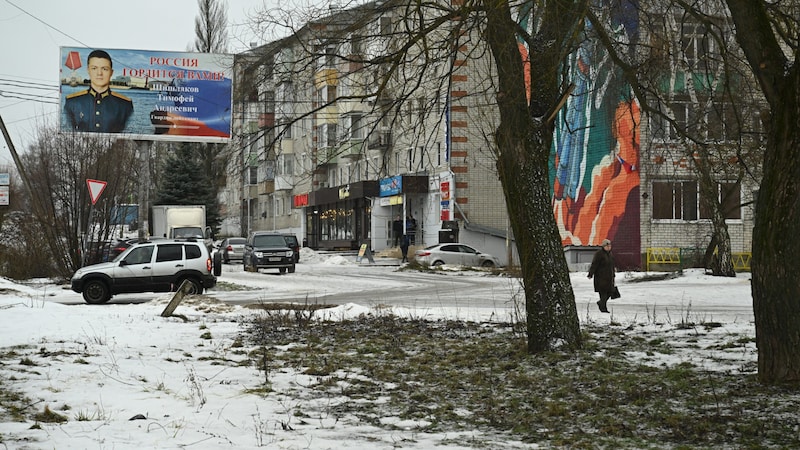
<point>471,294</point>
<point>373,285</point>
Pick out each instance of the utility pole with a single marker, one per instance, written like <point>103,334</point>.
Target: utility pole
<point>143,147</point>
<point>17,161</point>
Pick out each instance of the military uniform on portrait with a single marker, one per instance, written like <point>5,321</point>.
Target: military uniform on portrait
<point>106,112</point>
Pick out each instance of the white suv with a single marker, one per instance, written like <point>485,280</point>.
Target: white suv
<point>159,266</point>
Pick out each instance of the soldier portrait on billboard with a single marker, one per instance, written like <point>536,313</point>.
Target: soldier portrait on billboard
<point>98,108</point>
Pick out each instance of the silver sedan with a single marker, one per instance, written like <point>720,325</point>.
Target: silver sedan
<point>455,254</point>
<point>232,248</point>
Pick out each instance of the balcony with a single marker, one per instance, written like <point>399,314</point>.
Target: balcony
<point>266,187</point>
<point>284,183</point>
<point>380,139</point>
<point>353,149</point>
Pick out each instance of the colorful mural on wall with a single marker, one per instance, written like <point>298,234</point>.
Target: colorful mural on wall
<point>595,158</point>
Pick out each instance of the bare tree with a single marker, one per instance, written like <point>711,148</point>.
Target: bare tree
<point>59,166</point>
<point>769,33</point>
<point>690,81</point>
<point>210,27</point>
<point>398,61</point>
<point>211,36</point>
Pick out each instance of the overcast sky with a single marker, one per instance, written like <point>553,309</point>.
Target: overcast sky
<point>31,32</point>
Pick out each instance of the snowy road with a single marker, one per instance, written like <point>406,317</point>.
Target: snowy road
<point>468,294</point>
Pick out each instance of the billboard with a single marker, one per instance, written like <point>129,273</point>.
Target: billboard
<point>149,95</point>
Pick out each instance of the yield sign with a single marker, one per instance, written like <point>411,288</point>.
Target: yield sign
<point>95,189</point>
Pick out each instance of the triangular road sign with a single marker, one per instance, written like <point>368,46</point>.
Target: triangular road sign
<point>95,189</point>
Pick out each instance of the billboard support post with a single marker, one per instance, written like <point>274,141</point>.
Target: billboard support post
<point>143,147</point>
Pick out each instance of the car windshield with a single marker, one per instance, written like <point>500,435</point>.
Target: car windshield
<point>269,241</point>
<point>236,241</point>
<point>187,232</point>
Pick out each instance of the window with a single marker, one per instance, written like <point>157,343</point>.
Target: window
<point>169,252</point>
<point>698,48</point>
<point>356,41</point>
<point>352,127</point>
<point>325,95</point>
<point>140,255</point>
<point>285,165</point>
<point>730,198</point>
<point>683,113</point>
<point>193,251</point>
<point>679,200</point>
<point>326,58</point>
<point>386,25</point>
<point>252,175</point>
<point>326,135</point>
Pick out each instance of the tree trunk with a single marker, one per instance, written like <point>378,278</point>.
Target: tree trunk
<point>718,253</point>
<point>775,285</point>
<point>523,145</point>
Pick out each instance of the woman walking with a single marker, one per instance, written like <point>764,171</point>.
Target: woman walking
<point>602,270</point>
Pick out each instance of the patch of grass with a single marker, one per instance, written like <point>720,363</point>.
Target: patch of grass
<point>461,376</point>
<point>228,286</point>
<point>48,416</point>
<point>13,404</point>
<point>27,362</point>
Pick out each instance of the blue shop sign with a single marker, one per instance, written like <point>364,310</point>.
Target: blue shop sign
<point>391,186</point>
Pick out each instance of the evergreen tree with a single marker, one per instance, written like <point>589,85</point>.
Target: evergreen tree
<point>184,182</point>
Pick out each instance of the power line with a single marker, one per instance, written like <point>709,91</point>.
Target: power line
<point>46,24</point>
<point>31,97</point>
<point>27,84</point>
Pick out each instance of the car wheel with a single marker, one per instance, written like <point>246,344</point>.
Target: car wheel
<point>282,270</point>
<point>487,264</point>
<point>438,262</point>
<point>195,286</point>
<point>96,292</point>
<point>217,264</point>
<point>291,269</point>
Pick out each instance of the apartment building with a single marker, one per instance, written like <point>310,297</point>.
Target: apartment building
<point>337,140</point>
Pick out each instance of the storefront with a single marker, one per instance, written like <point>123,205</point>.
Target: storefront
<point>338,218</point>
<point>402,198</point>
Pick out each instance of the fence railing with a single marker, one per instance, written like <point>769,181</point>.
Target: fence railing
<point>690,257</point>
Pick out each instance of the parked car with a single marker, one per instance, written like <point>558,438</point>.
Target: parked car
<point>268,250</point>
<point>232,248</point>
<point>96,251</point>
<point>455,254</point>
<point>159,266</point>
<point>292,243</point>
<point>118,247</point>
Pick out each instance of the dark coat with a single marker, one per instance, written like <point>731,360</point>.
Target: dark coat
<point>103,113</point>
<point>602,270</point>
<point>397,227</point>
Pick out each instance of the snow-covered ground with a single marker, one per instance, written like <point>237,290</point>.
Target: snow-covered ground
<point>127,378</point>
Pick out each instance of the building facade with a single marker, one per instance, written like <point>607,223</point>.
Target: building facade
<point>336,143</point>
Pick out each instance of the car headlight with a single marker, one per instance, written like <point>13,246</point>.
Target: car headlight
<point>259,254</point>
<point>289,254</point>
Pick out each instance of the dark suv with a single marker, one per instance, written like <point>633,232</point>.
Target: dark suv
<point>268,250</point>
<point>292,243</point>
<point>159,266</point>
